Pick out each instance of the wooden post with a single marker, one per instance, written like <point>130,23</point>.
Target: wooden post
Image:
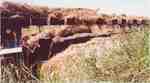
<point>48,21</point>
<point>0,30</point>
<point>30,20</point>
<point>0,49</point>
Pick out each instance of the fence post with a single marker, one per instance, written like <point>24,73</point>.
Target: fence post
<point>0,49</point>
<point>48,21</point>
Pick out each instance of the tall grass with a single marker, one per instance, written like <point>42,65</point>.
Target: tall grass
<point>127,61</point>
<point>12,73</point>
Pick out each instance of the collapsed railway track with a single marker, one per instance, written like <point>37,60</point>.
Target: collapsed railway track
<point>58,44</point>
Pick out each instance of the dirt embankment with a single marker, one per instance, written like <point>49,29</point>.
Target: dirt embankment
<point>73,53</point>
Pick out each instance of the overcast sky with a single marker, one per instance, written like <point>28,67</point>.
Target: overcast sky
<point>131,7</point>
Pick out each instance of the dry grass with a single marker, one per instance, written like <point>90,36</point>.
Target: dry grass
<point>129,60</point>
<point>12,73</point>
<point>125,59</point>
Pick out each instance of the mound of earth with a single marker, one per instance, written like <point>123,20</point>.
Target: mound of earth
<point>58,65</point>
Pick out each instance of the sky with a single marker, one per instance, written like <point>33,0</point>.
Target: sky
<point>129,7</point>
